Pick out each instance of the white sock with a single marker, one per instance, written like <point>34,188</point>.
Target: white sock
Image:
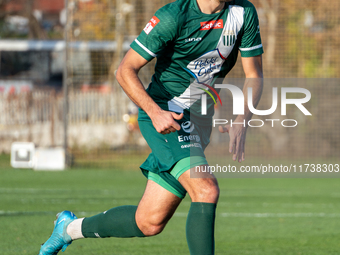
<point>74,229</point>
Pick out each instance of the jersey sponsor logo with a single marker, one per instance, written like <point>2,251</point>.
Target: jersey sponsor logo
<point>197,145</point>
<point>187,126</point>
<point>152,23</point>
<point>205,66</point>
<point>213,24</point>
<point>189,138</point>
<point>198,39</point>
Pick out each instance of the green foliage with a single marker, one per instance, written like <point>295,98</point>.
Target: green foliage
<point>302,54</point>
<point>94,21</point>
<point>311,50</point>
<point>5,33</point>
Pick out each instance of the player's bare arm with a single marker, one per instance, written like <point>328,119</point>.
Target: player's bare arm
<point>127,76</point>
<point>252,67</point>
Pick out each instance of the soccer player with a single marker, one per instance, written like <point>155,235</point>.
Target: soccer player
<point>195,42</point>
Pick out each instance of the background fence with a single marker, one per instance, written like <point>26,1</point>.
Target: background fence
<point>300,38</point>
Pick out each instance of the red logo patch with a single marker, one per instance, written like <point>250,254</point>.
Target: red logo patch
<point>152,23</point>
<point>213,24</point>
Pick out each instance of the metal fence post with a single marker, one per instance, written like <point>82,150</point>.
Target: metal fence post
<point>65,85</point>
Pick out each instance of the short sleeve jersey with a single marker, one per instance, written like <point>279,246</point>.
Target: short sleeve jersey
<point>193,49</point>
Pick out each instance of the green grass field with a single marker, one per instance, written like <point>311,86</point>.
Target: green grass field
<point>254,216</point>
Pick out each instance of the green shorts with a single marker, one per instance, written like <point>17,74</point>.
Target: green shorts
<point>172,154</point>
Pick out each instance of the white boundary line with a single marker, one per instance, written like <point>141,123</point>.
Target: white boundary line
<point>282,215</point>
<point>272,215</point>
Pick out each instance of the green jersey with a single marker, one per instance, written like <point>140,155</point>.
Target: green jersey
<point>193,49</point>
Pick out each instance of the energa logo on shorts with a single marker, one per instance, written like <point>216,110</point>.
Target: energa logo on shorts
<point>187,126</point>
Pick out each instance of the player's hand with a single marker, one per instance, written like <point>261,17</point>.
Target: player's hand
<point>165,121</point>
<point>237,135</point>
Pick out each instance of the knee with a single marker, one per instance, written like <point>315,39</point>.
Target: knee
<point>150,225</point>
<point>150,229</point>
<point>208,193</point>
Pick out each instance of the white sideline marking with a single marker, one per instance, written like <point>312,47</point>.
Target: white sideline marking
<point>14,213</point>
<point>281,215</point>
<point>272,215</point>
<point>224,215</point>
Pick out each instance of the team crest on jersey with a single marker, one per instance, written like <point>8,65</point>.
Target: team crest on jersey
<point>213,24</point>
<point>229,38</point>
<point>152,23</point>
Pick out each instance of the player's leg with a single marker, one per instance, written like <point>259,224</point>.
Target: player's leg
<point>150,217</point>
<point>203,187</point>
<point>204,193</point>
<point>155,209</point>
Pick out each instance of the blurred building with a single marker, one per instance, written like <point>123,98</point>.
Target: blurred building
<point>48,10</point>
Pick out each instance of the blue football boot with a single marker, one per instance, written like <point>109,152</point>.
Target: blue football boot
<point>59,238</point>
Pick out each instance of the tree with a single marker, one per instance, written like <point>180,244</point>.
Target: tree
<point>35,31</point>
